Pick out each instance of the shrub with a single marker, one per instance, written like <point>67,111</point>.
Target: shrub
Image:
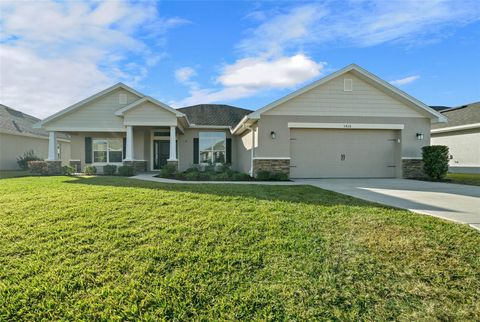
<point>240,176</point>
<point>168,171</point>
<point>126,170</point>
<point>109,169</point>
<point>27,156</point>
<point>38,167</point>
<point>279,176</point>
<point>204,176</point>
<point>68,170</point>
<point>90,170</point>
<point>222,176</point>
<point>263,175</point>
<point>191,176</point>
<point>435,161</point>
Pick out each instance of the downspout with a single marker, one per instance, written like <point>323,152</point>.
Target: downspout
<point>253,149</point>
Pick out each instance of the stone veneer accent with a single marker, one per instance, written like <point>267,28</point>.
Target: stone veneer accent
<point>272,165</point>
<point>77,164</point>
<point>412,168</point>
<point>54,167</point>
<point>139,166</point>
<point>174,163</point>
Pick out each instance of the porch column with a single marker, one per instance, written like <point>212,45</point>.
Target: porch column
<point>173,145</point>
<point>129,144</point>
<point>52,146</point>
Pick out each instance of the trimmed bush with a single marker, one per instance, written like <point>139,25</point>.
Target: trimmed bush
<point>240,176</point>
<point>204,176</point>
<point>126,170</point>
<point>27,156</point>
<point>90,170</point>
<point>68,170</point>
<point>223,176</point>
<point>435,161</point>
<point>279,176</point>
<point>191,176</point>
<point>263,175</point>
<point>109,169</point>
<point>168,171</point>
<point>38,167</point>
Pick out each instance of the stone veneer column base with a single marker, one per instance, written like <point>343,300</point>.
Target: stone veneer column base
<point>138,165</point>
<point>54,167</point>
<point>77,164</point>
<point>412,168</point>
<point>272,165</point>
<point>174,163</point>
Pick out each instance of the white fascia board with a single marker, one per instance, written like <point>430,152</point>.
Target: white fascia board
<point>456,128</point>
<point>220,127</point>
<point>345,126</point>
<point>85,129</point>
<point>85,101</point>
<point>244,124</point>
<point>132,105</point>
<point>352,67</point>
<point>148,123</point>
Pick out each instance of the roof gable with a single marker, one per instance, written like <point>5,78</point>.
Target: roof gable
<point>133,105</point>
<point>365,76</point>
<point>86,101</point>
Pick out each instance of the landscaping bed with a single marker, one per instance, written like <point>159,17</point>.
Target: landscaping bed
<point>218,173</point>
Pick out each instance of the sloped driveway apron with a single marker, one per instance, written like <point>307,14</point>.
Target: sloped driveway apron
<point>455,202</point>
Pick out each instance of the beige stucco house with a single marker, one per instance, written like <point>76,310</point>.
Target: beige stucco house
<point>348,124</point>
<point>18,136</point>
<point>462,136</point>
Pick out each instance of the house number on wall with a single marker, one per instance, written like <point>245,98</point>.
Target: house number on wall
<point>348,126</point>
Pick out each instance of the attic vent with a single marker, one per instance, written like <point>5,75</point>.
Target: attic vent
<point>347,85</point>
<point>122,99</point>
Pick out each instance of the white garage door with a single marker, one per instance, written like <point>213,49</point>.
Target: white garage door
<point>334,153</point>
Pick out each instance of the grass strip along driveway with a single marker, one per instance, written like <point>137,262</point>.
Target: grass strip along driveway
<point>108,248</point>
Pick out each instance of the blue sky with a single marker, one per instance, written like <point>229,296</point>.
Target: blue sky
<point>247,54</point>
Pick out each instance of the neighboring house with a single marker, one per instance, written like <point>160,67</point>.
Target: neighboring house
<point>18,136</point>
<point>462,136</point>
<point>348,124</point>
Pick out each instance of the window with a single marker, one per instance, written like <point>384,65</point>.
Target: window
<point>107,150</point>
<point>212,147</point>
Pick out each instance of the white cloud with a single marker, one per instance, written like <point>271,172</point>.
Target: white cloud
<point>246,77</point>
<point>404,81</point>
<point>184,74</point>
<point>260,73</point>
<point>56,53</point>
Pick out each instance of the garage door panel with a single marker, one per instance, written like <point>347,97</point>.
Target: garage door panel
<point>333,153</point>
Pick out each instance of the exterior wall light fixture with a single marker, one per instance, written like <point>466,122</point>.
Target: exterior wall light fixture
<point>273,135</point>
<point>419,136</point>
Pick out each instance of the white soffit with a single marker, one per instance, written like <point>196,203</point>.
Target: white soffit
<point>345,126</point>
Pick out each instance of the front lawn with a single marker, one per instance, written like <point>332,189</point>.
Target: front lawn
<point>14,173</point>
<point>111,248</point>
<point>465,178</point>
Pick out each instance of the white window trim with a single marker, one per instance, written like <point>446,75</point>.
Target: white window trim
<point>200,151</point>
<point>108,155</point>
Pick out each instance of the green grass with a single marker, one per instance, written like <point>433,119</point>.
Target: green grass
<point>109,248</point>
<point>465,178</point>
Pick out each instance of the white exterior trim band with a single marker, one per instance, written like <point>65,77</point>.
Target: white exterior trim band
<point>346,126</point>
<point>412,158</point>
<point>457,128</point>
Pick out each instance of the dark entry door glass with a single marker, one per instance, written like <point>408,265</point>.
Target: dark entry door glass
<point>161,153</point>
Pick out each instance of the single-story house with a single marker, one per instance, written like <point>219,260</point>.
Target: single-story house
<point>348,124</point>
<point>18,136</point>
<point>462,136</point>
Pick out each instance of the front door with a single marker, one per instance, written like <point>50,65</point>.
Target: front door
<point>161,153</point>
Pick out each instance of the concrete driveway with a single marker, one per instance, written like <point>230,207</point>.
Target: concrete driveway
<point>460,203</point>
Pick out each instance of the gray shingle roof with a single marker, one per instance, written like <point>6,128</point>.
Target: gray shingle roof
<point>214,114</point>
<point>462,115</point>
<point>16,122</point>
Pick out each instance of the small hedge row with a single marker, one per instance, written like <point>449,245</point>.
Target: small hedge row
<point>110,170</point>
<point>218,173</point>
